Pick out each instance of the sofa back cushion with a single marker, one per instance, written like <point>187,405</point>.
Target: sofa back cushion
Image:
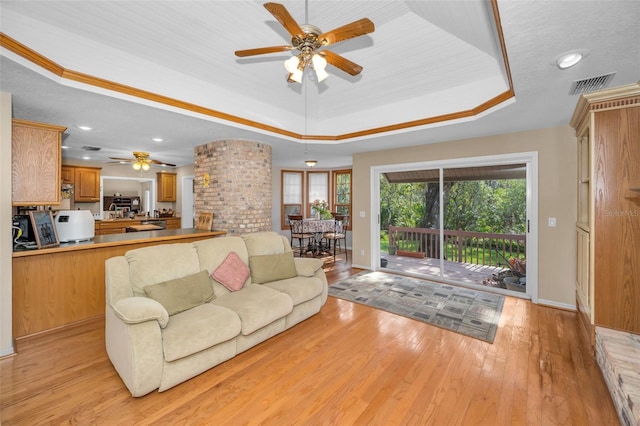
<point>184,293</point>
<point>212,252</point>
<point>261,243</point>
<point>156,264</point>
<point>272,267</point>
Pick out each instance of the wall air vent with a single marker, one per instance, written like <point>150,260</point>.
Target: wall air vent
<point>91,148</point>
<point>591,84</point>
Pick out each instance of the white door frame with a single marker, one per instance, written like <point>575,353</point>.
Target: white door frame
<point>528,158</point>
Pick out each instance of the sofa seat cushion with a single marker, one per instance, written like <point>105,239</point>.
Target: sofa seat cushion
<point>256,305</point>
<point>197,329</point>
<point>299,289</point>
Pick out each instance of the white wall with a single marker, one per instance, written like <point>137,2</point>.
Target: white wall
<point>6,236</point>
<point>557,173</point>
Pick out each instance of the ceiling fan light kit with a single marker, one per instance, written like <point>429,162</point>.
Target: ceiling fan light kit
<point>141,161</point>
<point>309,40</point>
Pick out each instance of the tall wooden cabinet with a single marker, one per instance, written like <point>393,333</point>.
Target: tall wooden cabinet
<point>607,126</point>
<point>36,156</point>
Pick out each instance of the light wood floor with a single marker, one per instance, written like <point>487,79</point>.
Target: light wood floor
<point>349,364</point>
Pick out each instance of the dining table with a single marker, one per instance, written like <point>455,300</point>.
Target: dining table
<point>318,227</point>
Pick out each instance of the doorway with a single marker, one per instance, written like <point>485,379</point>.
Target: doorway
<point>468,221</point>
<point>188,202</point>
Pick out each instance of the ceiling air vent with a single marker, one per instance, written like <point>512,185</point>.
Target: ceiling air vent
<point>590,84</point>
<point>91,148</point>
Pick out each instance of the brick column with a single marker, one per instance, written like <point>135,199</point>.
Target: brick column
<point>239,190</point>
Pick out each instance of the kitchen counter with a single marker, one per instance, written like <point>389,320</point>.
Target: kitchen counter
<point>120,225</point>
<point>64,286</point>
<point>125,239</point>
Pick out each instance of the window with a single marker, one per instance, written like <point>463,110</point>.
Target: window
<point>300,188</point>
<point>342,192</point>
<point>291,195</point>
<point>317,189</point>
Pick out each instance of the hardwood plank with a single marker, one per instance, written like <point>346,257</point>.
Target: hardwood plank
<point>350,364</point>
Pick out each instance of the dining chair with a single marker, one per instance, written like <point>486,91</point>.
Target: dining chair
<point>339,234</point>
<point>298,232</point>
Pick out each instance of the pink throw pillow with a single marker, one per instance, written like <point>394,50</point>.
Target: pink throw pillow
<point>232,272</point>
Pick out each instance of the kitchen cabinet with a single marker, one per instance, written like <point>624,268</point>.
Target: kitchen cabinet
<point>607,127</point>
<point>166,187</point>
<point>173,222</point>
<point>67,175</point>
<point>36,158</point>
<point>87,184</point>
<point>119,226</point>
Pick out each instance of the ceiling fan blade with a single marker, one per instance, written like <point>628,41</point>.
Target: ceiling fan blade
<point>341,62</point>
<point>357,28</point>
<point>262,50</point>
<point>123,159</point>
<point>161,163</point>
<point>285,19</point>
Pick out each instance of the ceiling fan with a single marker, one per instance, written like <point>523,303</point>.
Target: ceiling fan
<point>142,161</point>
<point>309,40</point>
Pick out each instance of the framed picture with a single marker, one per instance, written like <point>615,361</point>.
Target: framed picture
<point>44,229</point>
<point>204,221</point>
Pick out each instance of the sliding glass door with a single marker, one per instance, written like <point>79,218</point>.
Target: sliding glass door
<point>464,221</point>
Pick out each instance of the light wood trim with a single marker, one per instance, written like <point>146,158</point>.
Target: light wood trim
<point>618,97</point>
<point>33,56</point>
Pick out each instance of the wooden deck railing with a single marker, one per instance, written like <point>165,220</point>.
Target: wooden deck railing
<point>479,248</point>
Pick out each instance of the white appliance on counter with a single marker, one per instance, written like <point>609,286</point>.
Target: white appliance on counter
<point>75,225</point>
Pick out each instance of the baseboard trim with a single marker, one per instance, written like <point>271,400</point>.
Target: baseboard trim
<point>557,305</point>
<point>61,328</point>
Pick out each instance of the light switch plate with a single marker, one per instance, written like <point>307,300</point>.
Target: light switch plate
<point>552,222</point>
<point>362,214</point>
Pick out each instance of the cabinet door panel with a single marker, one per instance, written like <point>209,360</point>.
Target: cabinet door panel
<point>35,163</point>
<point>87,185</point>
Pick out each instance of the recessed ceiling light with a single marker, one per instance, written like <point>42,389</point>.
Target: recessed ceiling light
<point>157,139</point>
<point>569,59</point>
<point>64,147</point>
<point>86,157</point>
<point>85,128</point>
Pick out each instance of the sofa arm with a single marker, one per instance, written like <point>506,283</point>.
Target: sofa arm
<point>134,310</point>
<point>307,267</point>
<point>136,352</point>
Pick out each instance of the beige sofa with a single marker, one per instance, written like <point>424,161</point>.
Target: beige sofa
<point>152,347</point>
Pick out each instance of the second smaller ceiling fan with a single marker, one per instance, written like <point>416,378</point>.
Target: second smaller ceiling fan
<point>141,161</point>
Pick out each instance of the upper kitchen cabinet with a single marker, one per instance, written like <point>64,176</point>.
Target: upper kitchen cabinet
<point>36,157</point>
<point>67,175</point>
<point>167,187</point>
<point>87,184</point>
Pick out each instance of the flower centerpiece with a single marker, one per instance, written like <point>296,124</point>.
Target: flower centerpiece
<point>321,208</point>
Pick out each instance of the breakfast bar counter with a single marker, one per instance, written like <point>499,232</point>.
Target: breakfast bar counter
<point>64,286</point>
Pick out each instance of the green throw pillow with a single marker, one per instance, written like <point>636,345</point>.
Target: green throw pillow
<point>272,267</point>
<point>183,293</point>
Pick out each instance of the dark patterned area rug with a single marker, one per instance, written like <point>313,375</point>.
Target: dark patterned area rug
<point>463,310</point>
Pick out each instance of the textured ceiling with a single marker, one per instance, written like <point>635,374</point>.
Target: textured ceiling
<point>425,59</point>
